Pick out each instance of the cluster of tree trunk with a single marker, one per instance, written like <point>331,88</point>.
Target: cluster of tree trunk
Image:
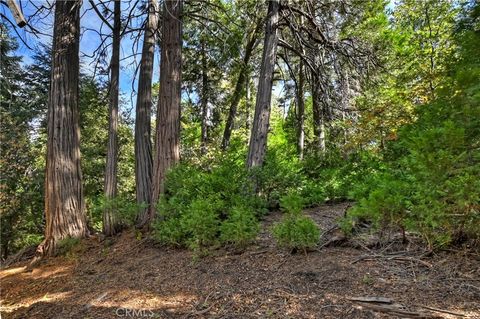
<point>64,203</point>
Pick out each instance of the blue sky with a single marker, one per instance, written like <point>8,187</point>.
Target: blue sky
<point>89,42</point>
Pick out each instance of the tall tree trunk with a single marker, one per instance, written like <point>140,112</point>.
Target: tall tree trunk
<point>241,82</point>
<point>301,111</point>
<point>167,147</point>
<point>204,102</point>
<point>64,201</point>
<point>345,107</point>
<point>318,114</point>
<point>143,144</point>
<point>111,224</point>
<point>248,94</point>
<point>258,139</point>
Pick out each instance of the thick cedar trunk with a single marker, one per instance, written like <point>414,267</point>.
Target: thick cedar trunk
<point>111,223</point>
<point>237,93</point>
<point>167,147</point>
<point>64,202</point>
<point>204,103</point>
<point>143,144</point>
<point>301,111</point>
<point>258,139</point>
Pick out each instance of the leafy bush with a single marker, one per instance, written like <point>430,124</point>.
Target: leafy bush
<point>295,231</point>
<point>201,223</point>
<point>431,184</point>
<point>333,176</point>
<point>385,205</point>
<point>280,174</point>
<point>292,203</point>
<point>431,188</point>
<point>240,228</point>
<point>313,192</point>
<point>169,230</point>
<point>205,206</point>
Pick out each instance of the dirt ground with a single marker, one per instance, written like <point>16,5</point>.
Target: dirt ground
<point>131,278</point>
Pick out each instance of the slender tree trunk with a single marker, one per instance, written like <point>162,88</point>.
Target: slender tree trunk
<point>241,82</point>
<point>301,111</point>
<point>143,144</point>
<point>258,139</point>
<point>248,94</point>
<point>111,223</point>
<point>346,105</point>
<point>318,114</point>
<point>64,201</point>
<point>204,104</point>
<point>167,148</point>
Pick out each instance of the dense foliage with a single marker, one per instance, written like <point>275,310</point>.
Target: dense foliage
<point>402,142</point>
<point>430,184</point>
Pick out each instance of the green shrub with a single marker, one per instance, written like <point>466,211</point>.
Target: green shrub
<point>240,228</point>
<point>169,231</point>
<point>205,206</point>
<point>430,183</point>
<point>335,177</point>
<point>280,174</point>
<point>126,210</point>
<point>296,231</point>
<point>292,203</point>
<point>201,223</point>
<point>385,205</point>
<point>313,193</point>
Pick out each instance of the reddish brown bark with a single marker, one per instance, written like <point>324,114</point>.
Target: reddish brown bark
<point>167,147</point>
<point>143,143</point>
<point>64,201</point>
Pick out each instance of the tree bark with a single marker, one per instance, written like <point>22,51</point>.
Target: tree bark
<point>318,114</point>
<point>248,96</point>
<point>143,143</point>
<point>111,224</point>
<point>204,103</point>
<point>167,147</point>
<point>64,201</point>
<point>258,139</point>
<point>241,83</point>
<point>345,107</point>
<point>301,111</point>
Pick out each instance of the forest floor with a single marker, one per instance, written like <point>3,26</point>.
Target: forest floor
<point>131,278</point>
